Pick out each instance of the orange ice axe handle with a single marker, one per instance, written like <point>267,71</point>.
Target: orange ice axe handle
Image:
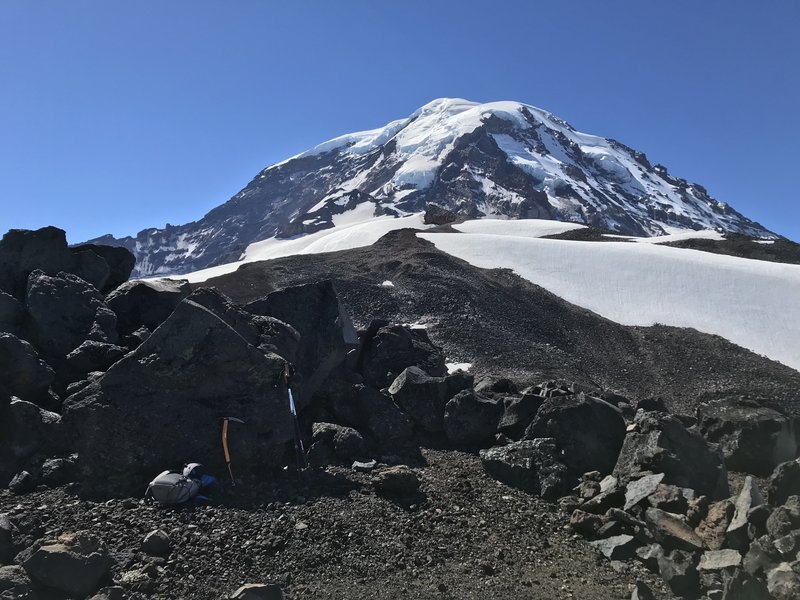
<point>225,448</point>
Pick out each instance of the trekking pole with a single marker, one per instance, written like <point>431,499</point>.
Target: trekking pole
<point>225,449</point>
<point>298,439</point>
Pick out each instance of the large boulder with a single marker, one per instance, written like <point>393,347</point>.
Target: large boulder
<point>75,564</point>
<point>470,419</point>
<point>784,482</point>
<point>120,262</point>
<point>146,303</point>
<point>22,372</point>
<point>268,334</point>
<point>390,349</point>
<point>753,438</point>
<point>661,444</point>
<point>424,397</point>
<point>530,465</point>
<point>326,331</point>
<point>589,431</point>
<point>24,251</point>
<point>64,311</point>
<point>173,391</point>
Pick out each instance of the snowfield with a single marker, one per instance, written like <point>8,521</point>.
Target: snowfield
<point>754,304</point>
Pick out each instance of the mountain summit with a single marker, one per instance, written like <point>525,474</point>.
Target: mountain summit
<point>498,159</point>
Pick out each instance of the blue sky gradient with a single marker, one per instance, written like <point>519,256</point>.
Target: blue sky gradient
<point>121,115</point>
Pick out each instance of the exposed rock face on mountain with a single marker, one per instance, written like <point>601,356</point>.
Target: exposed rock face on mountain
<point>500,158</point>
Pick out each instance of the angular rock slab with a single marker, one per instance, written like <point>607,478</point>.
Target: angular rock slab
<point>639,489</point>
<point>672,531</point>
<point>173,392</point>
<point>748,498</point>
<point>716,560</point>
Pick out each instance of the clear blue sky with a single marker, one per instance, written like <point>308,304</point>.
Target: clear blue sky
<point>121,115</point>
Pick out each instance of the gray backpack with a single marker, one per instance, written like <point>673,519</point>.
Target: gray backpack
<point>171,487</point>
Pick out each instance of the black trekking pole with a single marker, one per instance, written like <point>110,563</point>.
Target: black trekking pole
<point>298,438</point>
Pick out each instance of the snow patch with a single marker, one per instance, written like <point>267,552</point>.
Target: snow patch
<point>751,303</point>
<point>453,367</point>
<point>387,283</point>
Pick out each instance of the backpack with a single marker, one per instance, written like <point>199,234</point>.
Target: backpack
<point>171,487</point>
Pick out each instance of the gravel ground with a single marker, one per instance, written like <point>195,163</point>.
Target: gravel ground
<point>330,535</point>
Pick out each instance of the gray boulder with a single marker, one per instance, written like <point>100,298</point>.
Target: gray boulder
<point>784,518</point>
<point>424,397</point>
<point>617,547</point>
<point>75,564</point>
<point>530,465</point>
<point>172,391</point>
<point>753,438</point>
<point>258,591</point>
<point>660,443</point>
<point>588,431</point>
<point>15,584</point>
<point>386,352</point>
<point>783,582</point>
<point>470,419</point>
<point>146,303</point>
<point>64,311</point>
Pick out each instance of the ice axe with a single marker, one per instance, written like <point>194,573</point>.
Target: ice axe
<point>298,438</point>
<point>225,422</point>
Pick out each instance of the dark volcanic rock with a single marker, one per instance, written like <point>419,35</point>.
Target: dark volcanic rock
<point>749,497</point>
<point>380,417</point>
<point>146,303</point>
<point>753,438</point>
<point>438,215</point>
<point>784,482</point>
<point>326,332</point>
<point>661,444</point>
<point>530,465</point>
<point>120,262</point>
<point>22,483</point>
<point>424,397</point>
<point>589,431</point>
<point>470,419</point>
<point>518,413</point>
<point>397,481</point>
<point>76,564</point>
<point>11,313</point>
<point>394,348</point>
<point>173,391</point>
<point>64,311</point>
<point>35,432</point>
<point>672,531</point>
<point>617,547</point>
<point>334,443</point>
<point>22,251</point>
<point>22,372</point>
<point>679,571</point>
<point>94,356</point>
<point>268,334</point>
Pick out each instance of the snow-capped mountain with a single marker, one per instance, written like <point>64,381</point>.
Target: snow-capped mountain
<point>500,159</point>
